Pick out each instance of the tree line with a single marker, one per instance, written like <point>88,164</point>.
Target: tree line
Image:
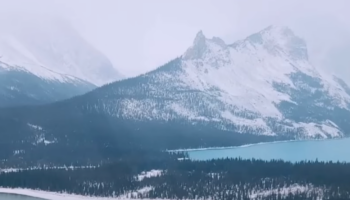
<point>187,179</point>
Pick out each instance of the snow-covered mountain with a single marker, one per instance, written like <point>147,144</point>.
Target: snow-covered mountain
<point>50,50</point>
<point>259,89</point>
<point>263,84</point>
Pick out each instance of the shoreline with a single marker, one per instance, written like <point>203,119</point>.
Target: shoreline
<point>252,144</point>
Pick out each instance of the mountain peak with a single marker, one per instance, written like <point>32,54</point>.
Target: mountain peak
<point>200,38</point>
<point>201,45</point>
<point>280,38</point>
<point>281,35</point>
<point>198,47</point>
<point>273,33</point>
<point>279,29</point>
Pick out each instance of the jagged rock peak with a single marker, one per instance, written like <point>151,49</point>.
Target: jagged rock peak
<point>201,45</point>
<point>200,38</point>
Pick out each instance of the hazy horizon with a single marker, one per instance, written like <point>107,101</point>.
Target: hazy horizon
<point>141,36</point>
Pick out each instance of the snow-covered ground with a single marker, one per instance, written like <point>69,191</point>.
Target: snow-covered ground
<point>45,195</point>
<point>284,191</point>
<point>149,174</point>
<point>63,196</point>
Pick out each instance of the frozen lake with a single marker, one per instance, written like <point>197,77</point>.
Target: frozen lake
<point>294,151</point>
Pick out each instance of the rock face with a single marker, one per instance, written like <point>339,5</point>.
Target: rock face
<point>258,89</point>
<point>45,58</point>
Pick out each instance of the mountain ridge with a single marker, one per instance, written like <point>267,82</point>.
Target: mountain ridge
<point>338,95</point>
<point>257,90</point>
<point>20,87</point>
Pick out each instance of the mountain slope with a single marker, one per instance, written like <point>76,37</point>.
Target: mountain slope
<point>262,88</point>
<point>41,44</point>
<point>20,87</point>
<point>43,59</point>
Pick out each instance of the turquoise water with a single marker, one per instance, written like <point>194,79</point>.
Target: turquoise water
<point>16,197</point>
<point>323,150</point>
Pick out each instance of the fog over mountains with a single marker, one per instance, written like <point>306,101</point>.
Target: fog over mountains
<point>44,59</point>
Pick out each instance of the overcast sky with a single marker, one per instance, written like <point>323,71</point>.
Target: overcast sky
<point>139,35</point>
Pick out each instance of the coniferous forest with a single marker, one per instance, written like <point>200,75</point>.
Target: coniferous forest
<point>187,179</point>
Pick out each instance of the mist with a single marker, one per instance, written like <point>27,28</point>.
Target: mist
<point>139,36</point>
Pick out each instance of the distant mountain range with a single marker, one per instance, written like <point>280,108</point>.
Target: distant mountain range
<point>261,88</point>
<point>43,60</point>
